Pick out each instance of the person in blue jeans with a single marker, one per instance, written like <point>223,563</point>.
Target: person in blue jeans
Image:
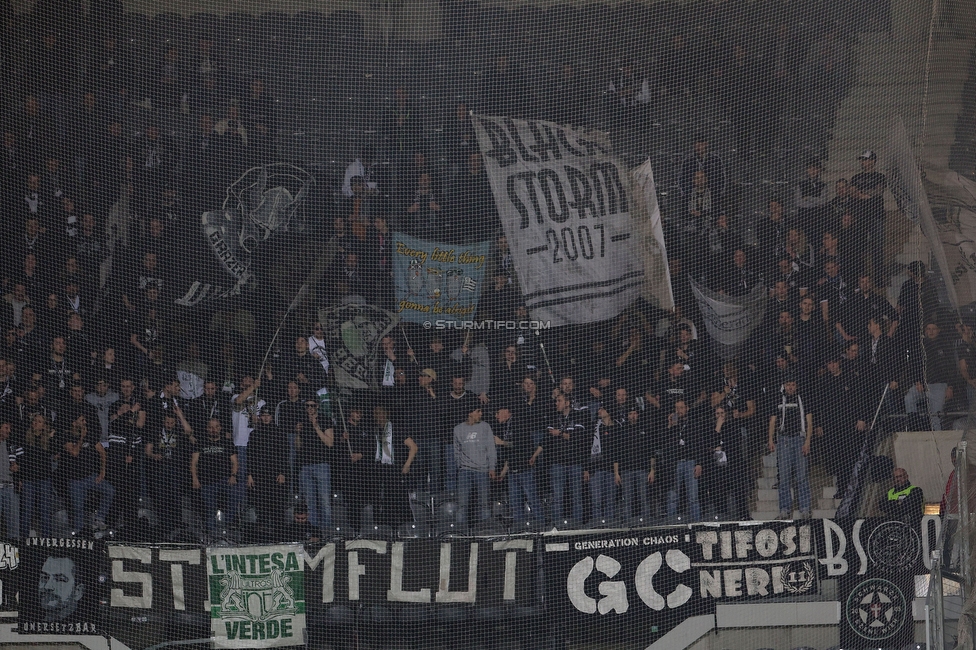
<point>790,428</point>
<point>566,446</point>
<point>215,473</point>
<point>599,470</point>
<point>313,452</point>
<point>519,453</point>
<point>684,450</point>
<point>31,464</point>
<point>474,450</point>
<point>83,462</point>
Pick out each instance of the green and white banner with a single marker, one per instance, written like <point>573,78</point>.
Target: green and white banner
<point>257,596</point>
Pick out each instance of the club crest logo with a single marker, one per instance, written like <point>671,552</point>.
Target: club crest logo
<point>894,546</point>
<point>876,609</point>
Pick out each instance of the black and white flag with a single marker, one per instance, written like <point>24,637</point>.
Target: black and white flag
<point>569,213</point>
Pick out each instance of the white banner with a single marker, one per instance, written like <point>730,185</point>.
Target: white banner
<point>257,596</point>
<point>730,319</point>
<point>650,237</point>
<point>567,205</point>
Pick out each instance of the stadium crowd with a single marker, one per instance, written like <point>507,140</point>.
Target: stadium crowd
<point>111,392</point>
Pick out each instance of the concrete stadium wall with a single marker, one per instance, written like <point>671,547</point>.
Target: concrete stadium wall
<point>925,454</point>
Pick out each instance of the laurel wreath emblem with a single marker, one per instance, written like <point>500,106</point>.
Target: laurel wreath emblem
<point>800,587</point>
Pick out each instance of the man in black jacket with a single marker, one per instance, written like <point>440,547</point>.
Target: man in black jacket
<point>565,446</point>
<point>267,471</point>
<point>517,455</point>
<point>903,501</point>
<point>683,451</point>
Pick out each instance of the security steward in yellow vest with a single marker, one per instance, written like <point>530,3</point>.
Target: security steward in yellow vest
<point>904,501</point>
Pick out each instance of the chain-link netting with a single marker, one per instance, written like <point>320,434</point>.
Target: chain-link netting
<point>623,325</point>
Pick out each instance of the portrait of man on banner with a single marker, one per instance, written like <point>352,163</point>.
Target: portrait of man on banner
<point>58,587</point>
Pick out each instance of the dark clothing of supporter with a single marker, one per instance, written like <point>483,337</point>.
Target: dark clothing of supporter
<point>393,452</point>
<point>215,462</point>
<point>566,446</point>
<point>599,467</point>
<point>267,471</point>
<point>562,451</point>
<point>904,501</point>
<point>314,456</point>
<point>82,462</point>
<point>167,463</point>
<point>633,457</point>
<point>683,456</point>
<point>125,455</point>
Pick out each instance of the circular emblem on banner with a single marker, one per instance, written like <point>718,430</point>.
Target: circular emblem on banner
<point>876,609</point>
<point>798,577</point>
<point>894,546</point>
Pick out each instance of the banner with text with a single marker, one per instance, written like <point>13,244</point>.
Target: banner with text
<point>581,584</point>
<point>875,562</point>
<point>257,596</point>
<point>568,210</point>
<point>437,281</point>
<point>730,319</point>
<point>477,572</point>
<point>9,561</point>
<point>612,585</point>
<point>59,586</point>
<point>755,560</point>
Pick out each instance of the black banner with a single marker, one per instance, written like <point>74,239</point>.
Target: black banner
<point>480,572</point>
<point>59,586</point>
<point>875,562</point>
<point>754,560</point>
<point>156,585</point>
<point>635,583</point>
<point>9,561</point>
<point>867,546</point>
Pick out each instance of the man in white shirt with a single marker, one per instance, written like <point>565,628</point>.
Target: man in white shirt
<point>245,406</point>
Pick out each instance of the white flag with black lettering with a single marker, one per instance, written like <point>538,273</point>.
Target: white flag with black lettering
<point>566,205</point>
<point>730,319</point>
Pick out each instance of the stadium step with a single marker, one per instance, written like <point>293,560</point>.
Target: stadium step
<point>766,495</point>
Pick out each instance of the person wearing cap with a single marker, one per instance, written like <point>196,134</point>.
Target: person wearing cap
<point>476,456</point>
<point>790,429</point>
<point>267,472</point>
<point>867,197</point>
